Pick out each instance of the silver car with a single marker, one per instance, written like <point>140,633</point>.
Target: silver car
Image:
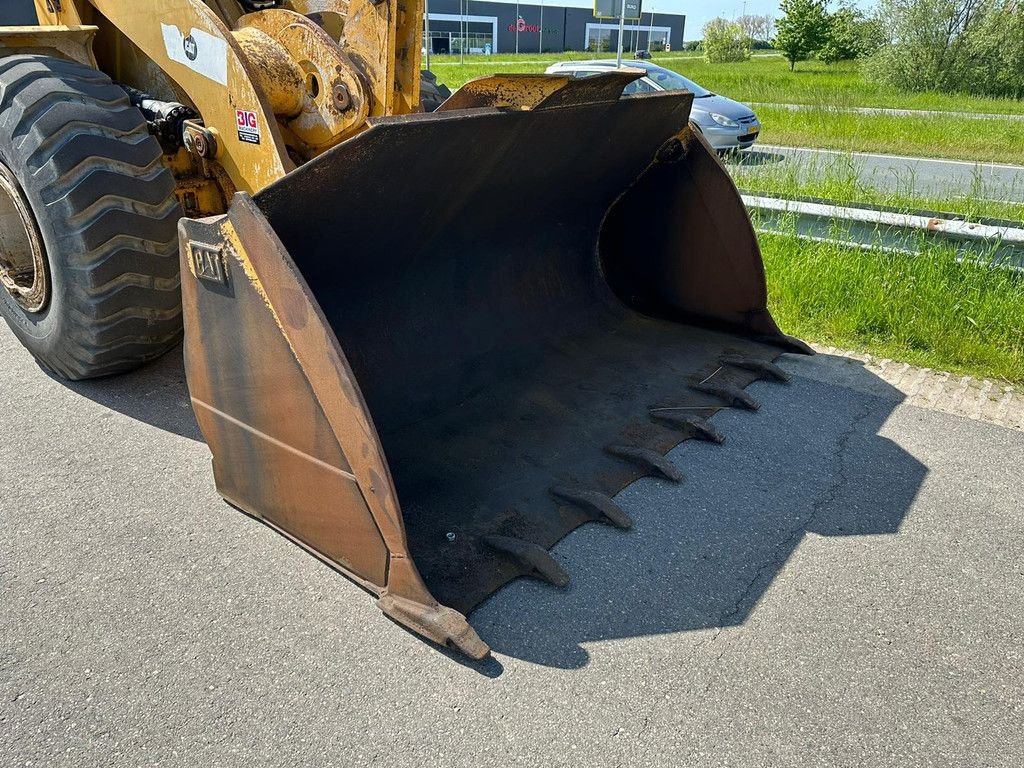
<point>725,123</point>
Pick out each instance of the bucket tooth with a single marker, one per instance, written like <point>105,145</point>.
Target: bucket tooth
<point>730,393</point>
<point>594,502</point>
<point>764,368</point>
<point>650,460</point>
<point>701,429</point>
<point>436,622</point>
<point>534,560</point>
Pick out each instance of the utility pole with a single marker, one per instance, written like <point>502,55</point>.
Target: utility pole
<point>462,31</point>
<point>540,45</point>
<point>650,32</point>
<point>517,27</point>
<point>622,26</point>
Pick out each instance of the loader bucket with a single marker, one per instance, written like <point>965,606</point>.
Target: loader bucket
<point>429,354</point>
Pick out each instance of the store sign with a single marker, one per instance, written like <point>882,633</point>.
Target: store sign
<point>522,26</point>
<point>610,9</point>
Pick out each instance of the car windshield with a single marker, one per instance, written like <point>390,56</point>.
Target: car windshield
<point>673,81</point>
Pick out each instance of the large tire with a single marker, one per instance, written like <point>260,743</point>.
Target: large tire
<point>104,206</point>
<point>432,93</point>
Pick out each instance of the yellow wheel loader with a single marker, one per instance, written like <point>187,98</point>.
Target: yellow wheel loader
<point>424,346</point>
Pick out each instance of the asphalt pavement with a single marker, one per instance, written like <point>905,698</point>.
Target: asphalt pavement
<point>896,173</point>
<point>839,584</point>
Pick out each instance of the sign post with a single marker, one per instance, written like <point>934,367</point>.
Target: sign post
<point>622,27</point>
<point>621,10</point>
<point>540,45</point>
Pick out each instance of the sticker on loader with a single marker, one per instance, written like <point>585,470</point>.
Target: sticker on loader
<point>248,126</point>
<point>200,51</point>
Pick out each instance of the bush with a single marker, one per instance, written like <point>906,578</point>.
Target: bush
<point>724,41</point>
<point>850,34</point>
<point>995,51</point>
<point>974,46</point>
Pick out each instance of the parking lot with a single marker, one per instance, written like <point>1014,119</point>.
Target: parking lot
<point>838,584</point>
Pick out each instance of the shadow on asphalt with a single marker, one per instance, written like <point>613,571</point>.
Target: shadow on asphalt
<point>155,394</point>
<point>703,552</point>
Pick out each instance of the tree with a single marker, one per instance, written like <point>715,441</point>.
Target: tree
<point>757,28</point>
<point>802,29</point>
<point>724,41</point>
<point>850,34</point>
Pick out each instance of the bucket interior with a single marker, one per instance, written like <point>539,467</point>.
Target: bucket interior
<point>466,264</point>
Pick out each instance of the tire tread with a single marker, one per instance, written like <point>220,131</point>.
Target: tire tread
<point>100,177</point>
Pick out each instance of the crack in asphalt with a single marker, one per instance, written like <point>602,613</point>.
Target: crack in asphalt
<point>777,555</point>
<point>781,551</point>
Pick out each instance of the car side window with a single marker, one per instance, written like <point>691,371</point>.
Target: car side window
<point>639,86</point>
<point>586,72</point>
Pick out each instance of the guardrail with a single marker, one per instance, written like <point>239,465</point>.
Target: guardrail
<point>1002,243</point>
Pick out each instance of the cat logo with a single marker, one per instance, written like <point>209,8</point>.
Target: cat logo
<point>191,48</point>
<point>208,263</point>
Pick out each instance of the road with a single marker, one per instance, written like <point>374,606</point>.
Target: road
<point>896,173</point>
<point>839,583</point>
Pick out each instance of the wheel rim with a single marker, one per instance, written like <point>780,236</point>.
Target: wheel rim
<point>23,271</point>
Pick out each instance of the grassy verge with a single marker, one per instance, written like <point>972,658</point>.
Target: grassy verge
<point>836,179</point>
<point>769,81</point>
<point>954,138</point>
<point>928,310</point>
<point>455,75</point>
<point>764,79</point>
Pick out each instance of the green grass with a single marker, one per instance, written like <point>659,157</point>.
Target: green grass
<point>930,309</point>
<point>836,179</point>
<point>927,310</point>
<point>768,80</point>
<point>762,79</point>
<point>455,75</point>
<point>955,138</point>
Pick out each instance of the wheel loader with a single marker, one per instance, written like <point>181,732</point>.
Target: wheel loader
<point>423,345</point>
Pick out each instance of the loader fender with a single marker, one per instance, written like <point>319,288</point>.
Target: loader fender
<point>72,43</point>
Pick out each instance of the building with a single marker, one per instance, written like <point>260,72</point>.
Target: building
<point>503,27</point>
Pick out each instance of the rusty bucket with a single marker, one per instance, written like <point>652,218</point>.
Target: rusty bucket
<point>432,352</point>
